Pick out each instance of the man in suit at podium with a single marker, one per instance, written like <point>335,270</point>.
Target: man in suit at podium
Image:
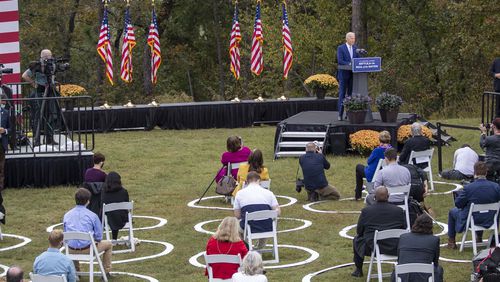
<point>345,53</point>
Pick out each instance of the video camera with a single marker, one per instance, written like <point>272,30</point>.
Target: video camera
<point>50,66</point>
<point>3,69</point>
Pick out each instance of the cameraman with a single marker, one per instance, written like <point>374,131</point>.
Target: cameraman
<point>39,75</point>
<point>313,165</point>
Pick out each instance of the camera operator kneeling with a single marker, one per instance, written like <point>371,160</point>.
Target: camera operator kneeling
<point>313,164</point>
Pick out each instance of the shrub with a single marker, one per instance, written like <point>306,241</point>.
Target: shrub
<point>364,141</point>
<point>69,90</point>
<point>404,132</point>
<point>324,81</point>
<point>386,101</point>
<point>357,102</point>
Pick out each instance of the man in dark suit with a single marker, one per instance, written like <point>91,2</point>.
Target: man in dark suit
<point>481,191</point>
<point>418,142</point>
<point>380,216</point>
<point>345,53</point>
<point>4,130</point>
<point>495,72</point>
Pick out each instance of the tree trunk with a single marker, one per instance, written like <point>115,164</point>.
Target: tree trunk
<point>359,22</point>
<point>219,48</point>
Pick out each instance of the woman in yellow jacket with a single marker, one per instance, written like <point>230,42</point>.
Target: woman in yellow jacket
<point>255,163</point>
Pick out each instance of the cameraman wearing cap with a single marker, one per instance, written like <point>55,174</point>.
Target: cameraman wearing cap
<point>37,76</point>
<point>313,164</point>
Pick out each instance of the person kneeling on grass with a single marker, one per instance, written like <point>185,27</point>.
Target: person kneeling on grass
<point>313,164</point>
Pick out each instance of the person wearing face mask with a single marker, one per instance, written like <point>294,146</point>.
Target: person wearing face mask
<point>4,131</point>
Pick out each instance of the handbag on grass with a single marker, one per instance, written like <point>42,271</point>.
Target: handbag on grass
<point>226,185</point>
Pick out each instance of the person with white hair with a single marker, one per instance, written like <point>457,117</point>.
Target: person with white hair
<point>252,269</point>
<point>345,53</point>
<point>418,142</point>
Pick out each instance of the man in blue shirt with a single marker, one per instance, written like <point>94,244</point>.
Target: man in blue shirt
<point>313,164</point>
<point>81,219</point>
<point>53,262</point>
<point>481,191</point>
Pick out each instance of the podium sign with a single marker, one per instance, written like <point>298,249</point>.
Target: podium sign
<point>370,64</point>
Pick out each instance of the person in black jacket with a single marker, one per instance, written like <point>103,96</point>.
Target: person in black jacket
<point>420,246</point>
<point>313,164</point>
<point>495,73</point>
<point>416,143</point>
<point>115,193</point>
<point>380,216</point>
<point>418,182</point>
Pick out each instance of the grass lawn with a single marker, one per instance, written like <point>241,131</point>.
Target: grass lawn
<point>163,170</point>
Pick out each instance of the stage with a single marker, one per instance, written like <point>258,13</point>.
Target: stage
<point>337,132</point>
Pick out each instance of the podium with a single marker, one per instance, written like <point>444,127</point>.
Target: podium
<point>360,68</point>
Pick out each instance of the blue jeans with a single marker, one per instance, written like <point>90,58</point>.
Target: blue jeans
<point>455,226</point>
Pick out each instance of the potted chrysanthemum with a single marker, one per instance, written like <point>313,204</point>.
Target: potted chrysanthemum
<point>71,90</point>
<point>356,107</point>
<point>320,83</point>
<point>388,106</point>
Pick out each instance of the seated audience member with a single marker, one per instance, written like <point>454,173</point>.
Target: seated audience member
<point>313,164</point>
<point>463,164</point>
<point>419,184</point>
<point>95,173</point>
<point>226,241</point>
<point>481,191</point>
<point>416,143</point>
<point>255,163</point>
<point>236,153</point>
<point>391,175</point>
<point>368,171</point>
<point>52,261</point>
<point>492,146</point>
<point>255,198</point>
<point>115,193</point>
<point>15,274</point>
<point>252,269</point>
<point>420,246</point>
<point>379,216</point>
<point>80,219</point>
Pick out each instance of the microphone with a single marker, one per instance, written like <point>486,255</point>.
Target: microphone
<point>361,52</point>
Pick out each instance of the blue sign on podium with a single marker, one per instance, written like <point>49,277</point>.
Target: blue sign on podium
<point>369,64</point>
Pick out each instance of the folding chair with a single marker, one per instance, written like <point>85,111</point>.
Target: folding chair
<point>92,256</point>
<point>382,235</point>
<point>424,157</point>
<point>266,184</point>
<point>402,190</point>
<point>380,165</point>
<point>407,268</point>
<point>128,206</point>
<point>248,235</point>
<point>47,278</point>
<point>470,225</point>
<point>209,259</point>
<point>230,167</point>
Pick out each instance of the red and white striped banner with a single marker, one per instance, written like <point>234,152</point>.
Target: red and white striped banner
<point>9,41</point>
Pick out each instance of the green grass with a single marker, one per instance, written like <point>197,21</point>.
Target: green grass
<point>163,170</point>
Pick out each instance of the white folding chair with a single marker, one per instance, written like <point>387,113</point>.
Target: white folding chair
<point>230,167</point>
<point>209,259</point>
<point>128,206</point>
<point>266,184</point>
<point>92,256</point>
<point>470,225</point>
<point>407,268</point>
<point>382,235</point>
<point>249,236</point>
<point>47,278</point>
<point>424,157</point>
<point>369,185</point>
<point>402,190</point>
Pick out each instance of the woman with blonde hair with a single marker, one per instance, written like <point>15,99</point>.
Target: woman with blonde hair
<point>252,269</point>
<point>226,241</point>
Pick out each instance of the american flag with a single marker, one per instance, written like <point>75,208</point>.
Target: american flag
<point>154,43</point>
<point>104,46</point>
<point>234,45</point>
<point>257,61</point>
<point>287,44</point>
<point>127,46</point>
<point>9,42</point>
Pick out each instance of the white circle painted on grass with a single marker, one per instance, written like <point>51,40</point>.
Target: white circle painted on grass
<point>168,248</point>
<point>161,222</point>
<point>193,203</point>
<point>305,223</point>
<point>145,277</point>
<point>313,255</point>
<point>457,187</point>
<point>309,276</point>
<point>309,208</point>
<point>4,268</point>
<point>345,230</point>
<point>25,241</point>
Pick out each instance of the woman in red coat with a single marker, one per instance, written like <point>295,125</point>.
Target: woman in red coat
<point>226,241</point>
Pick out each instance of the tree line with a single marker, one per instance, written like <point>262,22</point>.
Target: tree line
<point>436,54</point>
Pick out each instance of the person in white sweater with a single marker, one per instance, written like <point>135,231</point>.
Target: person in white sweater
<point>252,269</point>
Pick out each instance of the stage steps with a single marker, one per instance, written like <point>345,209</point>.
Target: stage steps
<point>293,143</point>
<point>445,138</point>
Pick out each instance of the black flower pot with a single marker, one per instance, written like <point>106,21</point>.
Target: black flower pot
<point>320,93</point>
<point>356,117</point>
<point>389,115</point>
